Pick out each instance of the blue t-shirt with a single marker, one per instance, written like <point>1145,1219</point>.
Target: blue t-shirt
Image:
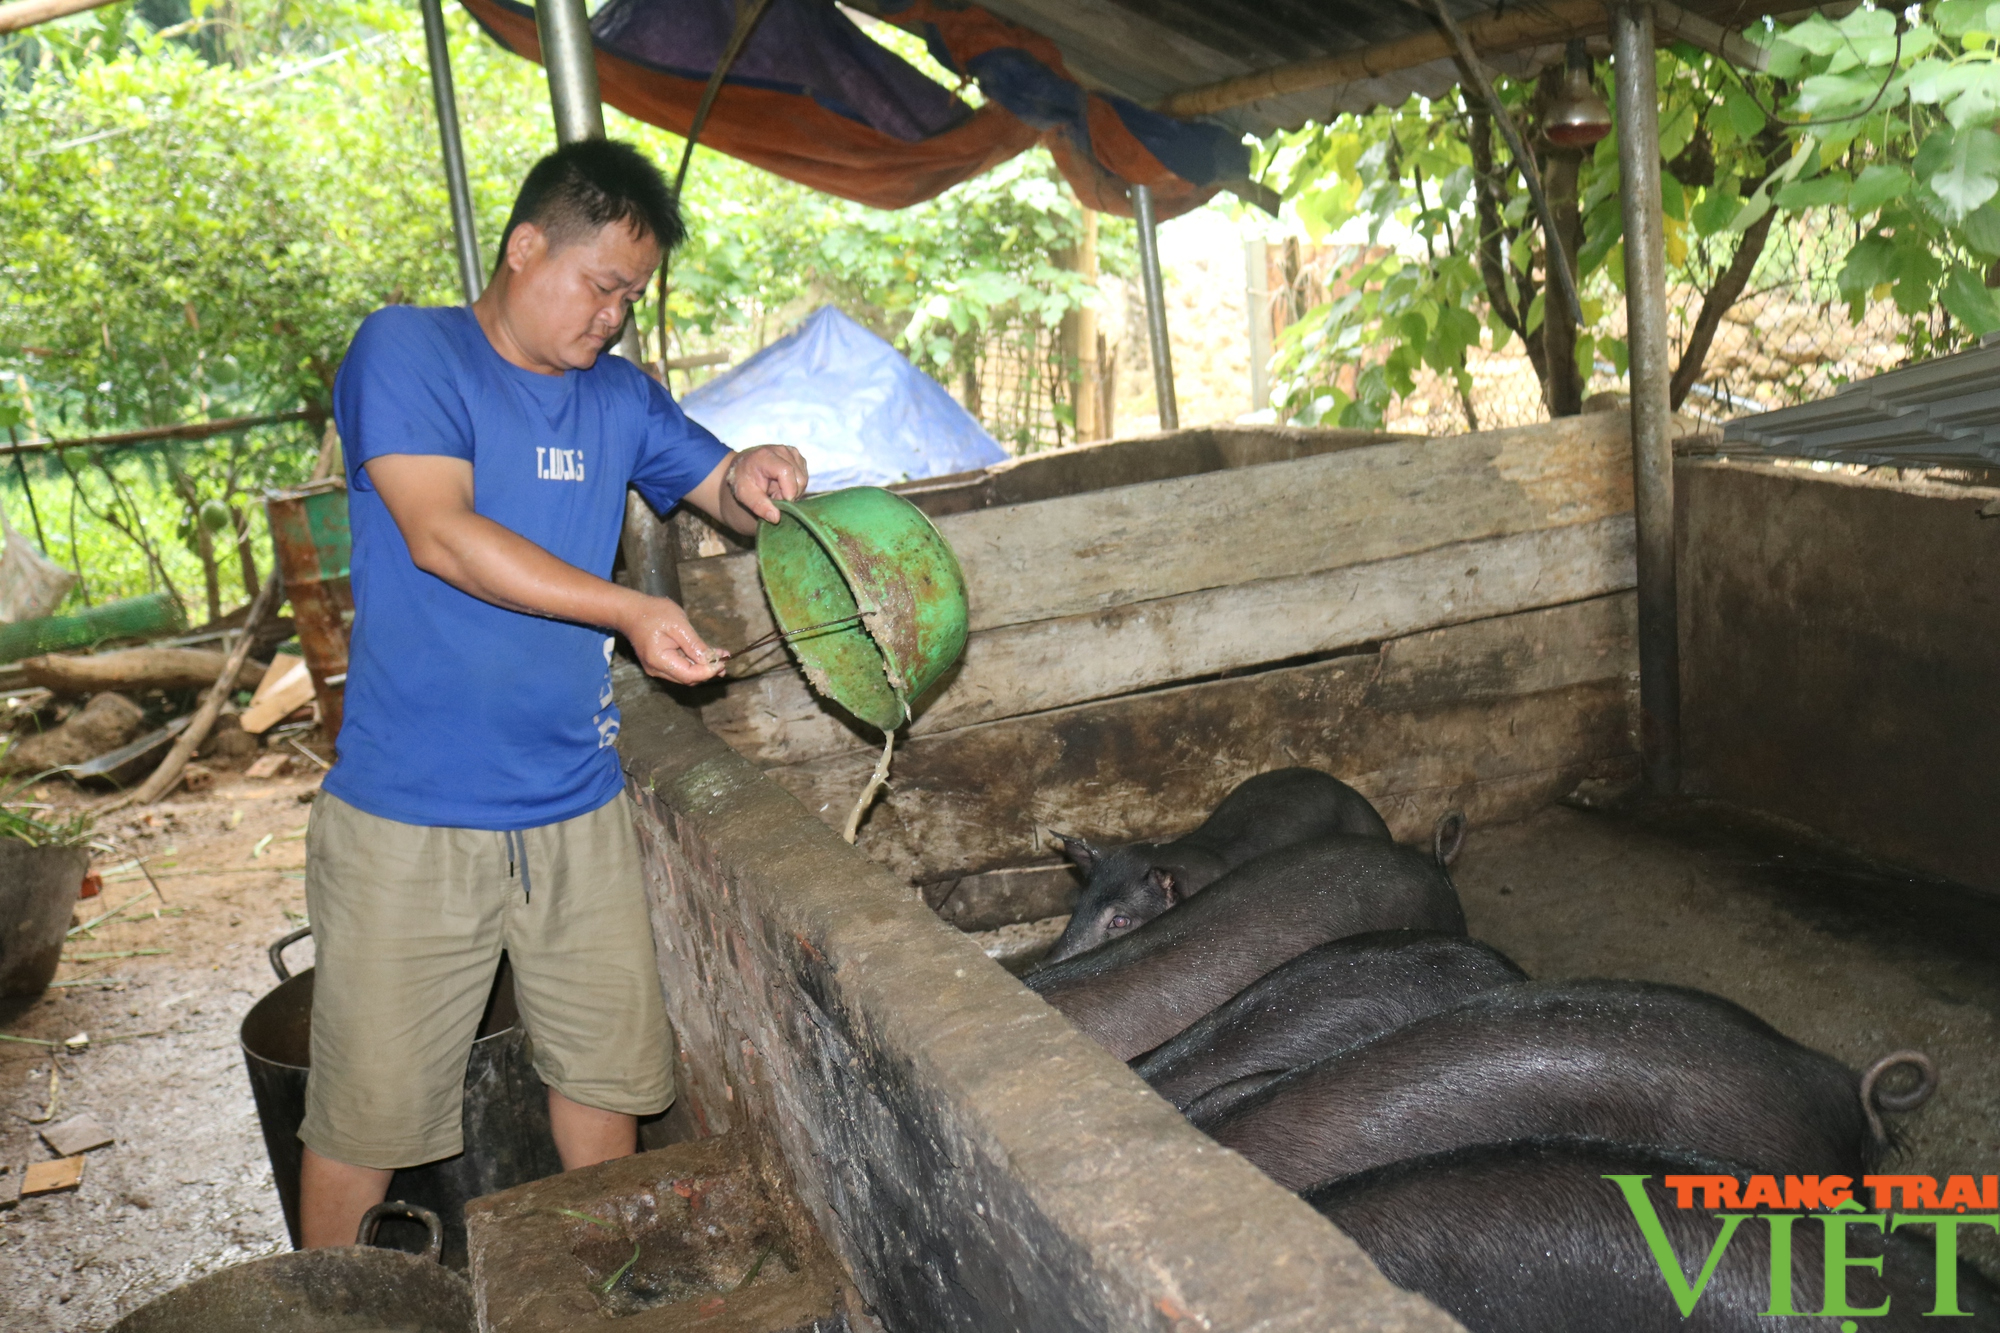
<point>459,713</point>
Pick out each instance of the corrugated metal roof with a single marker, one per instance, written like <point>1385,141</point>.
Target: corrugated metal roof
<point>1942,413</point>
<point>1149,49</point>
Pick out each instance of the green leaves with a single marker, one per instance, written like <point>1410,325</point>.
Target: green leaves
<point>1823,191</point>
<point>1958,18</point>
<point>1960,168</point>
<point>1875,186</point>
<point>1970,301</point>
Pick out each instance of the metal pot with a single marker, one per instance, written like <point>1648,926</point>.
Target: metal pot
<point>38,890</point>
<point>345,1289</point>
<point>506,1115</point>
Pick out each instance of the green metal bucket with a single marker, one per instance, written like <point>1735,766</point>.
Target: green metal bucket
<point>865,552</point>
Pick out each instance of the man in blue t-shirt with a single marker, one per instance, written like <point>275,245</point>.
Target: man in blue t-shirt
<point>477,804</point>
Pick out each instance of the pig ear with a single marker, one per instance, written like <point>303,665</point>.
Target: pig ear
<point>1080,852</point>
<point>1163,879</point>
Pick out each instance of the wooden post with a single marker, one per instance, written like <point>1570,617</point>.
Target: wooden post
<point>1080,338</point>
<point>1257,308</point>
<point>1089,426</point>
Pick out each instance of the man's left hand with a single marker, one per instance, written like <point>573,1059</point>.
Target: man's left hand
<point>770,472</point>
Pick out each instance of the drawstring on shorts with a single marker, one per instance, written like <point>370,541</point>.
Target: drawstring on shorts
<point>517,859</point>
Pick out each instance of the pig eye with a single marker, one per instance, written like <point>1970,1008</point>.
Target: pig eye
<point>1120,922</point>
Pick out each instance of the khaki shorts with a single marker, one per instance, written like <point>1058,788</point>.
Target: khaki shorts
<point>408,924</point>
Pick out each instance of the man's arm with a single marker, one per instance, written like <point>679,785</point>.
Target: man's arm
<point>430,497</point>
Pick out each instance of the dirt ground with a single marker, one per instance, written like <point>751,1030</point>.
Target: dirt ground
<point>159,992</point>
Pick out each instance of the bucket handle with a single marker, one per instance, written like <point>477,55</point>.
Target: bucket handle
<point>277,950</point>
<point>370,1220</point>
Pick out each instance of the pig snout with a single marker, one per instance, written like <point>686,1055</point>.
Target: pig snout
<point>1127,887</point>
<point>1130,885</point>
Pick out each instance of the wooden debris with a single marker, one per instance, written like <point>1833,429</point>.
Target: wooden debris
<point>169,771</point>
<point>197,777</point>
<point>77,1135</point>
<point>286,687</point>
<point>270,766</point>
<point>134,670</point>
<point>65,1173</point>
<point>55,1088</point>
<point>10,1188</point>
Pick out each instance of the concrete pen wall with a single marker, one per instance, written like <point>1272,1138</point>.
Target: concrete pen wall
<point>975,1162</point>
<point>1840,651</point>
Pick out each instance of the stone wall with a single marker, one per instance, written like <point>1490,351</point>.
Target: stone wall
<point>976,1163</point>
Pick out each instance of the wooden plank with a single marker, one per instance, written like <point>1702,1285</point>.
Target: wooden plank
<point>133,670</point>
<point>1081,467</point>
<point>1550,703</point>
<point>1003,897</point>
<point>1081,554</point>
<point>775,719</point>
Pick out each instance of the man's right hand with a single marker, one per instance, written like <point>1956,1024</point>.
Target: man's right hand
<point>667,645</point>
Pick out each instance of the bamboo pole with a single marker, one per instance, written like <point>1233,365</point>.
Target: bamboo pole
<point>192,430</point>
<point>27,13</point>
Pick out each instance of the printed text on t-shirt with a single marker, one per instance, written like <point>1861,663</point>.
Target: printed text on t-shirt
<point>559,464</point>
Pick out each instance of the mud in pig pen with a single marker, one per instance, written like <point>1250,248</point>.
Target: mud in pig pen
<point>185,1189</point>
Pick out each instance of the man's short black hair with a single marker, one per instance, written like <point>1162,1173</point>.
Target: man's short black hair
<point>587,185</point>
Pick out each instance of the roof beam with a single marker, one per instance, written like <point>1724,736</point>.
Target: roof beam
<point>1710,36</point>
<point>27,13</point>
<point>1514,28</point>
<point>1508,31</point>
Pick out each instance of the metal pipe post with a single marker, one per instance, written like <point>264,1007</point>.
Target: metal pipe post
<point>470,276</point>
<point>571,62</point>
<point>1652,412</point>
<point>1156,308</point>
<point>564,28</point>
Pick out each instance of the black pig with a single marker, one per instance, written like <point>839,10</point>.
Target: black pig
<point>1141,989</point>
<point>1629,1061</point>
<point>1130,885</point>
<point>1529,1237</point>
<point>1323,1001</point>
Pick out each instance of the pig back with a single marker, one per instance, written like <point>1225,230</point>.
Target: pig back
<point>1280,808</point>
<point>1629,1062</point>
<point>1528,1237</point>
<point>1145,987</point>
<point>1329,998</point>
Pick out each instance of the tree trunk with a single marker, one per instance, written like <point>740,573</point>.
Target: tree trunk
<point>1489,198</point>
<point>1564,381</point>
<point>246,552</point>
<point>1729,286</point>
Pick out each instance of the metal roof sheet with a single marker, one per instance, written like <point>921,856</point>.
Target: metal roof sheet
<point>1941,413</point>
<point>1147,50</point>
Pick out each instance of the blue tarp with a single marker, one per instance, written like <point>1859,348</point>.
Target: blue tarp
<point>852,404</point>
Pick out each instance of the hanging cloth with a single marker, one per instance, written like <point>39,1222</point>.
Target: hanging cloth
<point>814,99</point>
